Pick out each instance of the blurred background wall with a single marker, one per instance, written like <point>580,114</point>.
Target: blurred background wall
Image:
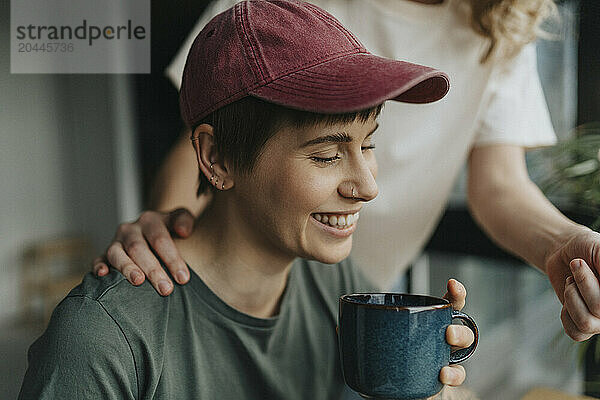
<point>62,139</point>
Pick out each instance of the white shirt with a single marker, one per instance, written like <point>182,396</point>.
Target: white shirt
<point>421,148</point>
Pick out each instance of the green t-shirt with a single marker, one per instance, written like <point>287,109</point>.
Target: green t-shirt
<point>110,340</point>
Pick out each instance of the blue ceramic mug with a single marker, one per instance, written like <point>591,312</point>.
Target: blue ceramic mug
<point>393,346</point>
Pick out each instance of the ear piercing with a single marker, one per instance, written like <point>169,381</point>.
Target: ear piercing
<point>212,176</point>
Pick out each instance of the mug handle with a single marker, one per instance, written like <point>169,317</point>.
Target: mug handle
<point>461,355</point>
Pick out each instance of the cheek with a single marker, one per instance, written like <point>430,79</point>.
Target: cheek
<point>300,192</point>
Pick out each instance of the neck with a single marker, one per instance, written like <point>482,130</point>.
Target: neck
<point>247,273</point>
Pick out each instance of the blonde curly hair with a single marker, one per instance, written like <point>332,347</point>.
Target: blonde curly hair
<point>509,24</point>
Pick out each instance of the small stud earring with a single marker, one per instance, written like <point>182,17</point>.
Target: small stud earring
<point>212,176</point>
<point>223,186</point>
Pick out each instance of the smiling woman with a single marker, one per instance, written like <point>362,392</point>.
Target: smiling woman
<point>273,180</point>
<point>288,177</point>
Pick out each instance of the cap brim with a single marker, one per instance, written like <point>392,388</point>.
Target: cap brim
<point>355,82</point>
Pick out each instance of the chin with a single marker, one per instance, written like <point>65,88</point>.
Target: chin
<point>327,256</point>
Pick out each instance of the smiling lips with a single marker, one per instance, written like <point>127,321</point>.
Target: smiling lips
<point>339,221</point>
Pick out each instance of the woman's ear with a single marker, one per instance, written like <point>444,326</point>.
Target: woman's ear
<point>210,162</point>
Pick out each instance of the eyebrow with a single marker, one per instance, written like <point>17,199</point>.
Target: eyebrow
<point>340,137</point>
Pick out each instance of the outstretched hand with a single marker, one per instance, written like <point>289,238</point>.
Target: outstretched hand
<point>573,270</point>
<point>458,336</point>
<point>137,247</point>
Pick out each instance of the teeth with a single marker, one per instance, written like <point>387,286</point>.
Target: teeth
<point>337,221</point>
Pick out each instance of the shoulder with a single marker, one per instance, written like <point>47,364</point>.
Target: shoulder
<point>104,327</point>
<point>522,65</point>
<point>77,320</point>
<point>96,311</point>
<point>111,305</point>
<point>82,341</point>
<point>94,287</point>
<point>116,295</point>
<point>139,312</point>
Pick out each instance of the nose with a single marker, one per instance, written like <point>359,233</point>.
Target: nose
<point>360,182</point>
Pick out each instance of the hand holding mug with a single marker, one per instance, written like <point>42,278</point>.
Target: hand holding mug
<point>398,346</point>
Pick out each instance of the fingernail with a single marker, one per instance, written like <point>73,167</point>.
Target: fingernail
<point>570,279</point>
<point>182,229</point>
<point>449,373</point>
<point>163,287</point>
<point>181,277</point>
<point>575,265</point>
<point>453,374</point>
<point>135,277</point>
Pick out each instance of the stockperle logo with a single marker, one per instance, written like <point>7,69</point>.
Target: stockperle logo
<point>80,36</point>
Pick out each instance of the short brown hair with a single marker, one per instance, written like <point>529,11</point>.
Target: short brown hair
<point>242,128</point>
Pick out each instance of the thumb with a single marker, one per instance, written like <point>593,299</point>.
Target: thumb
<point>180,222</point>
<point>456,294</point>
<point>587,247</point>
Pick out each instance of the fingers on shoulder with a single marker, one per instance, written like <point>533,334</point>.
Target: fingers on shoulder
<point>181,221</point>
<point>99,266</point>
<point>154,234</point>
<point>118,259</point>
<point>150,218</point>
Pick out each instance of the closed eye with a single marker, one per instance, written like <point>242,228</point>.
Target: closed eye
<point>326,160</point>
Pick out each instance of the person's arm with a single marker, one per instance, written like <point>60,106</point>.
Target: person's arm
<point>82,355</point>
<point>131,249</point>
<point>515,213</point>
<point>176,181</point>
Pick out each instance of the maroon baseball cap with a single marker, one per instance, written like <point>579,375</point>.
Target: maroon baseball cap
<point>297,55</point>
